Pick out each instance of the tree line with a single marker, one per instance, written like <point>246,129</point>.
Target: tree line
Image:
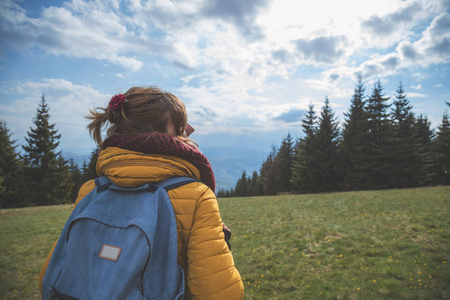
<point>380,145</point>
<point>39,175</point>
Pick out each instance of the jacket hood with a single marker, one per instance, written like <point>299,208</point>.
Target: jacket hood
<point>161,144</point>
<point>128,168</point>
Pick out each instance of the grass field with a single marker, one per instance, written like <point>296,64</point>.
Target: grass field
<point>392,244</point>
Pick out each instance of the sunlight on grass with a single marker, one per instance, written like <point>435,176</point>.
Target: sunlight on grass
<point>357,245</point>
<point>27,234</point>
<point>381,244</point>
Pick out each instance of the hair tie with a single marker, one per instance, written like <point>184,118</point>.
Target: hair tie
<point>117,101</point>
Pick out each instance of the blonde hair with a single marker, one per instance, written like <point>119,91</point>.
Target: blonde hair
<point>145,110</point>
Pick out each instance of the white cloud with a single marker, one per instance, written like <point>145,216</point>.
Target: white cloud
<point>245,62</point>
<point>68,104</point>
<point>433,47</point>
<point>394,23</point>
<point>417,87</point>
<point>89,33</point>
<point>439,85</point>
<point>265,37</point>
<point>323,49</point>
<point>417,95</point>
<point>280,55</point>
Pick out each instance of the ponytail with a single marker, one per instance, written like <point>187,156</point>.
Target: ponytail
<point>99,120</point>
<point>138,111</point>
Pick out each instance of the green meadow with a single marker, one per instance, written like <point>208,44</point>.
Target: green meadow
<point>390,244</point>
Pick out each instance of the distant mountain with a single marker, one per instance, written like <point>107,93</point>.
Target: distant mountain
<point>228,163</point>
<point>77,158</point>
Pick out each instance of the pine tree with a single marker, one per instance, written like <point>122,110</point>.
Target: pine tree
<point>309,123</point>
<point>283,162</point>
<point>46,179</point>
<point>354,145</point>
<point>304,161</point>
<point>221,193</point>
<point>427,160</point>
<point>64,192</point>
<point>11,175</point>
<point>257,189</point>
<point>89,170</point>
<point>249,189</point>
<point>442,149</point>
<point>268,174</point>
<point>242,188</point>
<point>326,143</point>
<point>76,177</point>
<point>406,163</point>
<point>379,140</point>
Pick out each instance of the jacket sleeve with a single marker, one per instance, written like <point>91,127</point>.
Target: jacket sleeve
<point>84,190</point>
<point>211,270</point>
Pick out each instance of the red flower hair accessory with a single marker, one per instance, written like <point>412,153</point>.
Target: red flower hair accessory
<point>117,101</point>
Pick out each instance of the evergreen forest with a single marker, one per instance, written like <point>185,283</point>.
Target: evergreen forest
<point>39,175</point>
<point>381,144</point>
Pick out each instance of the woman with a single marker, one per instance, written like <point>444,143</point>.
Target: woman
<point>148,141</point>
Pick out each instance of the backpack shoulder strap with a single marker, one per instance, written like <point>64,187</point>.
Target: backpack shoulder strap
<point>102,183</point>
<point>174,182</point>
<point>102,180</point>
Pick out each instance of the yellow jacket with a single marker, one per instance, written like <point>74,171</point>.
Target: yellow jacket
<point>202,250</point>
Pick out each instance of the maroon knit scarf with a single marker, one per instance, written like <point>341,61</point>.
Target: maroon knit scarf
<point>163,144</point>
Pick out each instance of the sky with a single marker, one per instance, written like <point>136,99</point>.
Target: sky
<point>246,70</point>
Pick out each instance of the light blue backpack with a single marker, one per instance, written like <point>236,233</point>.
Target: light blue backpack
<point>118,243</point>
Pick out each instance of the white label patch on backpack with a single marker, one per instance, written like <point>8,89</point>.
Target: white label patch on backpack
<point>110,252</point>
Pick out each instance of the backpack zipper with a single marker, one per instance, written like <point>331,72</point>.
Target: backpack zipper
<point>54,293</point>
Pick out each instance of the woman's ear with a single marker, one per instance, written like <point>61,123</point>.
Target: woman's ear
<point>170,130</point>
